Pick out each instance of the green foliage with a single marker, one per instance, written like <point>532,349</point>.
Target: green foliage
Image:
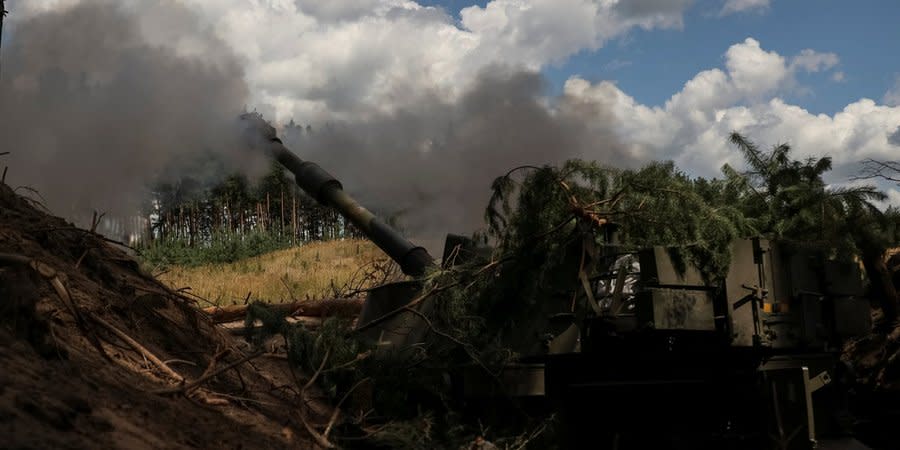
<point>220,248</point>
<point>791,202</point>
<point>655,205</point>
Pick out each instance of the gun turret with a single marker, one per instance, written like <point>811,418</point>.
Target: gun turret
<point>327,190</point>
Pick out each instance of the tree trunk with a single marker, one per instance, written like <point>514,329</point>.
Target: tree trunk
<point>345,307</point>
<point>281,230</point>
<point>192,224</point>
<point>309,323</point>
<point>293,216</point>
<point>149,230</point>
<point>226,218</point>
<point>166,225</point>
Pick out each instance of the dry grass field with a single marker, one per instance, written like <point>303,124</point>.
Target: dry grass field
<point>315,270</point>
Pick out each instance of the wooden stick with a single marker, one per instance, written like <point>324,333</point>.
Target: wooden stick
<point>138,347</point>
<point>318,371</point>
<point>81,258</point>
<point>324,443</point>
<point>337,408</point>
<point>320,439</point>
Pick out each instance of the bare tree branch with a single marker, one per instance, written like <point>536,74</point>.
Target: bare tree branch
<point>885,170</point>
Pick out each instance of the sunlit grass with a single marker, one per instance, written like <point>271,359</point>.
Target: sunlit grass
<point>310,271</point>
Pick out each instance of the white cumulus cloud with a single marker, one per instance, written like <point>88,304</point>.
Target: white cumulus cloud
<point>813,61</point>
<point>737,6</point>
<point>754,71</point>
<point>692,127</point>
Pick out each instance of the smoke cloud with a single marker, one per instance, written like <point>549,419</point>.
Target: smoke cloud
<point>432,163</point>
<point>100,99</point>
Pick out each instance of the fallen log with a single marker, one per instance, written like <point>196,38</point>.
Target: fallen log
<point>237,328</point>
<point>344,307</point>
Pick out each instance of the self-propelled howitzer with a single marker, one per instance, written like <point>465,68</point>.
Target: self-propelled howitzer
<point>754,356</point>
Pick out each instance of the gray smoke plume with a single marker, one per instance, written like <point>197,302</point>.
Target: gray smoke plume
<point>99,100</point>
<point>432,163</point>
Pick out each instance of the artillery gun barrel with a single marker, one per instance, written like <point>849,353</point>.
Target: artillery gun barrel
<point>327,190</point>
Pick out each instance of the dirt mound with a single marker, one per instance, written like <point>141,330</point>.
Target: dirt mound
<point>96,354</point>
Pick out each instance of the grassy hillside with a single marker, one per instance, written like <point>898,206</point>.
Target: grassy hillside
<point>315,270</point>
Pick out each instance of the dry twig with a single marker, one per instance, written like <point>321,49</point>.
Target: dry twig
<point>886,170</point>
<point>324,443</point>
<point>138,347</point>
<point>188,386</point>
<point>415,302</point>
<point>337,408</point>
<point>465,346</point>
<point>523,441</point>
<point>318,372</point>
